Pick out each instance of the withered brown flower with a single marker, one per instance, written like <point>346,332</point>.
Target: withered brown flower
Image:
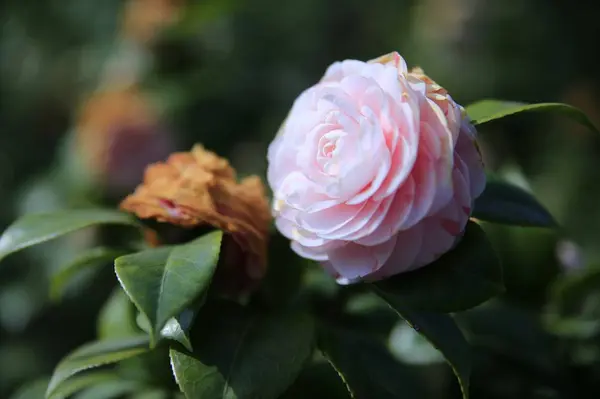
<point>198,188</point>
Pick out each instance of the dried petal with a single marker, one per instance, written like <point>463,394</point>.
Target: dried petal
<point>198,188</point>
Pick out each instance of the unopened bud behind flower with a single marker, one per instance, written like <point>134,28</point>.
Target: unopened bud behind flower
<point>143,20</point>
<point>118,134</point>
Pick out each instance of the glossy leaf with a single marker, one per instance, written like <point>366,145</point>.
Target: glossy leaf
<point>366,366</point>
<point>281,285</point>
<point>442,332</point>
<point>242,356</point>
<point>162,282</point>
<point>489,110</point>
<point>502,202</point>
<point>96,354</point>
<point>117,317</point>
<point>33,229</point>
<point>89,259</point>
<point>81,382</point>
<point>175,329</point>
<point>317,380</point>
<point>461,279</point>
<point>410,347</point>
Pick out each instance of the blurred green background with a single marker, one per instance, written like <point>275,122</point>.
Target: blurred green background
<point>92,91</point>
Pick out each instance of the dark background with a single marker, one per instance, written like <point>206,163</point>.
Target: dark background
<point>91,91</point>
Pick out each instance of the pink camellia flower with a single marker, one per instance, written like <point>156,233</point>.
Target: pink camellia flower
<point>374,171</point>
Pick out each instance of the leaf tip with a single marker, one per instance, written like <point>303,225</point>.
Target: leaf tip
<point>154,339</point>
<point>187,345</point>
<point>50,390</point>
<point>4,246</point>
<point>216,235</point>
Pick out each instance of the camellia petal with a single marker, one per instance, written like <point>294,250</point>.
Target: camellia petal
<point>356,261</point>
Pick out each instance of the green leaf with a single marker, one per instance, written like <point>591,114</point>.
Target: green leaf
<point>281,285</point>
<point>177,329</point>
<point>442,332</point>
<point>317,380</point>
<point>489,110</point>
<point>366,366</point>
<point>117,317</point>
<point>366,311</point>
<point>461,279</point>
<point>244,356</point>
<point>33,229</point>
<point>96,354</point>
<point>162,282</point>
<point>32,390</point>
<point>151,394</point>
<point>89,259</point>
<point>505,203</point>
<point>150,369</point>
<point>410,347</point>
<point>174,330</point>
<point>110,390</point>
<point>78,383</point>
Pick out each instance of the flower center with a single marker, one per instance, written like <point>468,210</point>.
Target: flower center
<point>328,150</point>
